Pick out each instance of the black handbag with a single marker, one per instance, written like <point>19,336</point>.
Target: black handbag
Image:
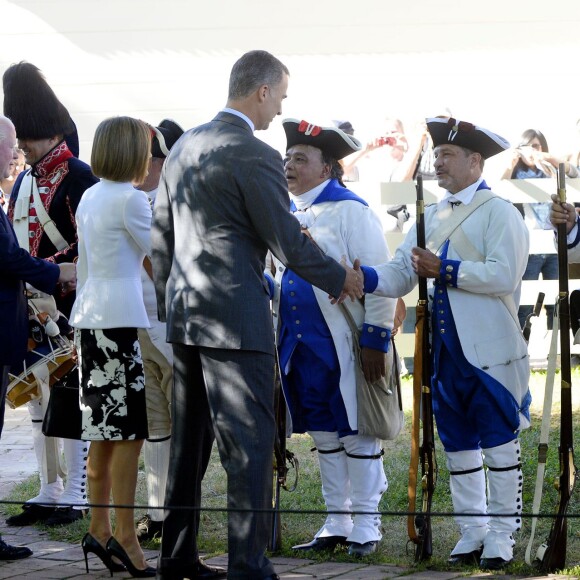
<point>63,413</point>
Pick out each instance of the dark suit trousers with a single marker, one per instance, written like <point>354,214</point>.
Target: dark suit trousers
<point>233,391</point>
<point>3,388</point>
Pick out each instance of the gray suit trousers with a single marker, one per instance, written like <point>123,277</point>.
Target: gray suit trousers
<point>233,392</point>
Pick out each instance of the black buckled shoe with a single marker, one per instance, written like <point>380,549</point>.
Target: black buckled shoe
<point>468,559</point>
<point>31,513</point>
<point>493,563</point>
<point>8,552</point>
<point>147,529</point>
<point>64,516</point>
<point>322,544</point>
<point>362,550</point>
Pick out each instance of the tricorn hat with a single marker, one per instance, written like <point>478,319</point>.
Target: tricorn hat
<point>330,140</point>
<point>32,106</point>
<point>345,126</point>
<point>166,135</point>
<point>453,132</point>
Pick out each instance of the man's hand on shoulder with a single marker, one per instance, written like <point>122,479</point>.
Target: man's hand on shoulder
<point>353,282</point>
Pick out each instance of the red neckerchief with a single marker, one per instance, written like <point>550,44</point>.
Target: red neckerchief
<point>49,173</point>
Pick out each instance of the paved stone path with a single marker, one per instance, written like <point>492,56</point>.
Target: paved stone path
<point>61,560</point>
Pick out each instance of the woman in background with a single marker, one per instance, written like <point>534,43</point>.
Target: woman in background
<point>531,159</point>
<point>113,221</point>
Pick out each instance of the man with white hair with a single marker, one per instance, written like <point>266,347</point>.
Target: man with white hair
<point>16,267</point>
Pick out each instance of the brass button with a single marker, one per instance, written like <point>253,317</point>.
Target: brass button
<point>371,329</point>
<point>449,268</point>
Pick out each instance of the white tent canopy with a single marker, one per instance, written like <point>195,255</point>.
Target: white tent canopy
<point>505,65</point>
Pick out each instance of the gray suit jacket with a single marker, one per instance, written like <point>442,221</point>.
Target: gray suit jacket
<point>222,202</point>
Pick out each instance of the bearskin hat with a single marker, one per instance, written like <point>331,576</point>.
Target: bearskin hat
<point>32,106</point>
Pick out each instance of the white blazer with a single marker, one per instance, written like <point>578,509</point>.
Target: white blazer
<point>113,225</point>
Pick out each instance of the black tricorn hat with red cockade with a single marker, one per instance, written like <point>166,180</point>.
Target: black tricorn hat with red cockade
<point>166,135</point>
<point>453,132</point>
<point>331,140</point>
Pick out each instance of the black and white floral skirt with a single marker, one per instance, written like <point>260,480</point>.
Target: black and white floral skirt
<point>112,384</point>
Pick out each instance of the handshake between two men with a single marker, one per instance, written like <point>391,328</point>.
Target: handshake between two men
<point>424,262</point>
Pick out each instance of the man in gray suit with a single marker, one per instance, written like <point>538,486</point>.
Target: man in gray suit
<point>222,203</point>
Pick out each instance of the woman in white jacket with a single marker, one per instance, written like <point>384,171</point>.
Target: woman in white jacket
<point>113,221</point>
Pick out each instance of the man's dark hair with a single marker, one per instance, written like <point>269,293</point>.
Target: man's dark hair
<point>468,152</point>
<point>252,70</point>
<point>336,169</point>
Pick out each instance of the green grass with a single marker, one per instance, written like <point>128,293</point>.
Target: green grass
<point>393,549</point>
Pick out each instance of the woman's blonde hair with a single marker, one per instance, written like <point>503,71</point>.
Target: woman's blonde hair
<point>121,150</point>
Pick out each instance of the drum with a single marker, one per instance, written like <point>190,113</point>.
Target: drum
<point>49,355</point>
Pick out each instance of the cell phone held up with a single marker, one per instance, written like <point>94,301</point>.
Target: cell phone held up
<point>382,141</point>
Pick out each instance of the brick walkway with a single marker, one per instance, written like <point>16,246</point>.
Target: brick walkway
<point>60,560</point>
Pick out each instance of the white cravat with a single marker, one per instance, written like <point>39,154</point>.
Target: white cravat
<point>303,203</point>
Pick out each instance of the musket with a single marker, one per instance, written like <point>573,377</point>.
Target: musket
<point>552,554</point>
<point>422,429</point>
<point>282,458</point>
<point>535,312</point>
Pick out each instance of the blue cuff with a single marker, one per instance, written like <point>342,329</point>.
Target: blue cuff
<point>375,337</point>
<point>371,279</point>
<point>577,239</point>
<point>271,285</point>
<point>448,272</point>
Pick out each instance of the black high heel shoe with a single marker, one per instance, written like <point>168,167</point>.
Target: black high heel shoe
<point>115,549</point>
<point>90,545</point>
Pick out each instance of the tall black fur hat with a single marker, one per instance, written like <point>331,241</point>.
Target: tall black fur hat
<point>166,135</point>
<point>32,106</point>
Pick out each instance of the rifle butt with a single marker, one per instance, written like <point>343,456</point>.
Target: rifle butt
<point>424,545</point>
<point>554,557</point>
<point>275,540</point>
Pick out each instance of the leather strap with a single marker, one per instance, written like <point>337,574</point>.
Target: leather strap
<point>22,212</point>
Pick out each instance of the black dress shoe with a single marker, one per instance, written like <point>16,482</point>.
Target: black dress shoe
<point>199,570</point>
<point>493,563</point>
<point>468,559</point>
<point>64,516</point>
<point>8,552</point>
<point>31,513</point>
<point>361,550</point>
<point>322,544</point>
<point>147,529</point>
<point>203,570</point>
